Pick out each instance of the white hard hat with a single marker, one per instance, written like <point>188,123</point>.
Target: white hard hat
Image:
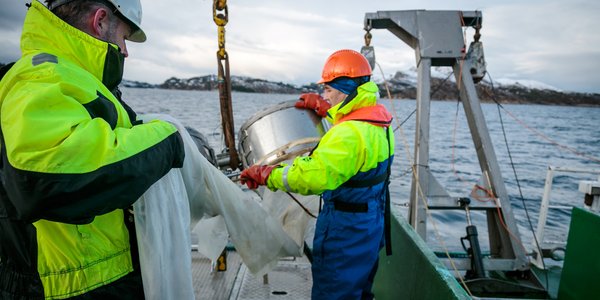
<point>129,9</point>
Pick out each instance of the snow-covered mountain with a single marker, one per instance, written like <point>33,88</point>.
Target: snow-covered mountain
<point>443,87</point>
<point>401,85</point>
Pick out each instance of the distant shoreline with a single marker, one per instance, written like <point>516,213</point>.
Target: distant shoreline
<point>400,88</point>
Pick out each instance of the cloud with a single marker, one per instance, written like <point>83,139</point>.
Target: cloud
<point>11,20</point>
<point>551,43</point>
<point>554,41</point>
<point>11,15</point>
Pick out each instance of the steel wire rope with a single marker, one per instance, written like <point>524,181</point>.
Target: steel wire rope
<point>280,151</point>
<point>557,144</point>
<point>452,162</point>
<point>418,185</point>
<point>522,198</point>
<point>437,88</point>
<point>306,210</point>
<point>537,244</point>
<point>455,172</point>
<point>543,136</point>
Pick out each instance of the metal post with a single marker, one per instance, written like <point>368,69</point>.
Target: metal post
<point>539,232</point>
<point>420,182</point>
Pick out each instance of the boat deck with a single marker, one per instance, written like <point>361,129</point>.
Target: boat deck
<point>289,279</point>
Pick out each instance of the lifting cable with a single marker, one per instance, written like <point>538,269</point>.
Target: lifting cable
<point>435,90</point>
<point>522,198</point>
<point>220,16</point>
<point>306,210</point>
<point>543,136</point>
<point>281,154</point>
<point>512,164</point>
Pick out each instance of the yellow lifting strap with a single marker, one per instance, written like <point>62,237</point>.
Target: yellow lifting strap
<point>224,82</point>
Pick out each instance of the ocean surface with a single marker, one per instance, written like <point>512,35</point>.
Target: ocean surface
<point>538,136</point>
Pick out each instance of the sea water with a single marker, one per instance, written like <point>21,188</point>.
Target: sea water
<point>537,136</point>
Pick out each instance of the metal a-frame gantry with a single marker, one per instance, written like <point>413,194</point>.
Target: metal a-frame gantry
<point>436,37</point>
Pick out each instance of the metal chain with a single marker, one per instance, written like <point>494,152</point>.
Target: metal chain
<point>477,35</point>
<point>220,16</point>
<point>368,37</point>
<point>368,34</point>
<point>477,27</point>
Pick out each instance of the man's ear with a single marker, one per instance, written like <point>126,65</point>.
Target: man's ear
<point>99,22</point>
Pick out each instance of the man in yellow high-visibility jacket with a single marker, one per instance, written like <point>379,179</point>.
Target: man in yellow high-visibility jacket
<point>73,155</point>
<point>350,170</point>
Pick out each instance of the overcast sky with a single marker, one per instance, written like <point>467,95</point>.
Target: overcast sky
<point>555,42</point>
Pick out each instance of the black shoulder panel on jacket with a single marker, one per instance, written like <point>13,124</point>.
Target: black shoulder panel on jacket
<point>101,107</point>
<point>4,69</point>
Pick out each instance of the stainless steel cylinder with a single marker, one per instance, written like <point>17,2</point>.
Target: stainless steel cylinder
<point>278,133</point>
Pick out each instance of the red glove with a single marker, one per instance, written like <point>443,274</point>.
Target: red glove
<point>315,102</point>
<point>256,175</point>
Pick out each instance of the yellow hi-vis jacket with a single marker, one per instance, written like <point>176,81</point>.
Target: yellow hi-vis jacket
<point>72,158</point>
<point>350,169</point>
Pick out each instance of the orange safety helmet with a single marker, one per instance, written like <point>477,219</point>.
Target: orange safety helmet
<point>345,63</point>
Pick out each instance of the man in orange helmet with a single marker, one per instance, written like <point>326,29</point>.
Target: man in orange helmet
<point>350,170</point>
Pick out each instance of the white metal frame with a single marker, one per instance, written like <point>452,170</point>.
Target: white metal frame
<point>545,207</point>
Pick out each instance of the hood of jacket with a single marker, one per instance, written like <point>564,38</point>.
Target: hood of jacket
<point>366,95</point>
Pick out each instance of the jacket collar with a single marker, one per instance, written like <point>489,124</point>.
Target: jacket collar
<point>45,32</point>
<point>366,95</point>
<point>376,115</point>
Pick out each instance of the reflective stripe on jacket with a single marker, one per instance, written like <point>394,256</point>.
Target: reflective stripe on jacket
<point>72,159</point>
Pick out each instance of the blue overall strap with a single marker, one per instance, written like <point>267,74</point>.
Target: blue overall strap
<point>387,211</point>
<point>362,183</point>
